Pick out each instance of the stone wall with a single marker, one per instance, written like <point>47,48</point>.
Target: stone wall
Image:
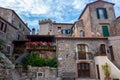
<point>79,26</point>
<point>115,43</point>
<point>93,26</point>
<point>43,73</point>
<point>66,52</point>
<point>62,26</point>
<point>96,24</point>
<point>12,20</point>
<point>11,17</point>
<point>9,35</point>
<point>87,22</point>
<point>115,27</point>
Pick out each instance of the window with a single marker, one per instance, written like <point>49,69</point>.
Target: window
<point>20,25</point>
<point>66,31</point>
<point>82,33</point>
<point>102,13</point>
<point>102,49</point>
<point>23,29</point>
<point>18,37</point>
<point>82,50</point>
<point>59,28</point>
<point>3,27</point>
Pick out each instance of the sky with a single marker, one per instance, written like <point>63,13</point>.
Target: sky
<point>61,11</point>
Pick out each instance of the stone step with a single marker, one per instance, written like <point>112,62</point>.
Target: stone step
<point>85,79</point>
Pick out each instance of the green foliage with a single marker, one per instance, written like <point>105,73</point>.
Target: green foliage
<point>1,42</point>
<point>51,62</point>
<point>106,69</point>
<point>34,60</point>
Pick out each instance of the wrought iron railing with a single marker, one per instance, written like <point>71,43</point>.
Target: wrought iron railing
<point>85,55</point>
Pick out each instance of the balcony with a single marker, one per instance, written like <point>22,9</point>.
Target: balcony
<point>85,56</point>
<point>39,48</point>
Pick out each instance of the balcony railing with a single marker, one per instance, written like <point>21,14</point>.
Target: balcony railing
<point>85,56</point>
<point>48,48</point>
<point>81,55</point>
<point>41,46</point>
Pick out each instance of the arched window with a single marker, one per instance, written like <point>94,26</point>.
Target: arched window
<point>102,49</point>
<point>82,34</point>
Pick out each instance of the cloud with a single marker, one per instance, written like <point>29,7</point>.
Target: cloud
<point>31,11</point>
<point>79,4</point>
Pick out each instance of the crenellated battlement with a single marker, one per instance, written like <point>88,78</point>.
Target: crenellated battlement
<point>45,21</point>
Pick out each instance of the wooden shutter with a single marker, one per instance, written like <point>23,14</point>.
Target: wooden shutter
<point>105,31</point>
<point>62,31</point>
<point>112,53</point>
<point>105,13</point>
<point>5,28</point>
<point>97,11</point>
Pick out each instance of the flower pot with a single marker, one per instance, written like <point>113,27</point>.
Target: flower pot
<point>107,78</point>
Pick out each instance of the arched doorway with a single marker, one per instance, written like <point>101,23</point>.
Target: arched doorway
<point>83,70</point>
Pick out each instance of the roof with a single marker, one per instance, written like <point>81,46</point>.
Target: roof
<point>118,17</point>
<point>19,41</point>
<point>63,23</point>
<point>93,3</point>
<point>43,38</point>
<point>17,16</point>
<point>8,22</point>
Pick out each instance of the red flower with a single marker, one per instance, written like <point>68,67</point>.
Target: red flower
<point>49,43</point>
<point>39,43</point>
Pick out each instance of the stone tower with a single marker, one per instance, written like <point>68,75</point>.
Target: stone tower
<point>45,26</point>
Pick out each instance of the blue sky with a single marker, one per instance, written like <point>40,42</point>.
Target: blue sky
<point>67,11</point>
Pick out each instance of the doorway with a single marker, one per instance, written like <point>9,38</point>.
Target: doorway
<point>83,70</point>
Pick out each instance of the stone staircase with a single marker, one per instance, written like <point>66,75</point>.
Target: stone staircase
<point>7,62</point>
<point>19,59</point>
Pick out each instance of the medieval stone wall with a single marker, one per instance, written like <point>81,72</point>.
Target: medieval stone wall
<point>66,52</point>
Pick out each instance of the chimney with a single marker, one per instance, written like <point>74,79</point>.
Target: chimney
<point>33,31</point>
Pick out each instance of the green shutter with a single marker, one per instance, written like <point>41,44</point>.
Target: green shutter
<point>105,13</point>
<point>97,11</point>
<point>105,31</point>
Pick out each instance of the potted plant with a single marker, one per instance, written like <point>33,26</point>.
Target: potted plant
<point>106,71</point>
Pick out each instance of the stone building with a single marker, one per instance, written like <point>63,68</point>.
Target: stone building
<point>96,33</point>
<point>82,47</point>
<point>12,28</point>
<point>48,26</point>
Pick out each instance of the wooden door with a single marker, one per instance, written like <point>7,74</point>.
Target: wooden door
<point>83,70</point>
<point>111,53</point>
